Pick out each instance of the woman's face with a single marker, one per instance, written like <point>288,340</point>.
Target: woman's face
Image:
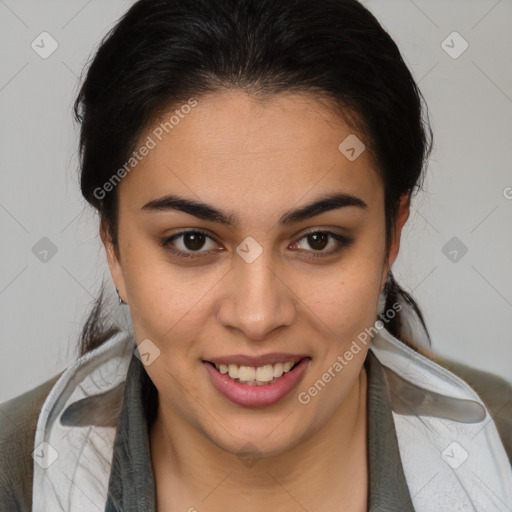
<point>250,283</point>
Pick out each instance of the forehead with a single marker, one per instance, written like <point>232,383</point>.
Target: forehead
<point>250,153</point>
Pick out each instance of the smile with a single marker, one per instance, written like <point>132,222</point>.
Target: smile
<point>256,386</point>
<point>255,376</point>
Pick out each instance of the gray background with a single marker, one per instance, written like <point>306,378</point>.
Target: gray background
<point>466,298</point>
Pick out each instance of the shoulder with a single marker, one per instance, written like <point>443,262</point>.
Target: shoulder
<point>495,392</point>
<point>18,421</point>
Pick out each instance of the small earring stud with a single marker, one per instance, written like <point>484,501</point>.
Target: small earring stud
<point>121,301</point>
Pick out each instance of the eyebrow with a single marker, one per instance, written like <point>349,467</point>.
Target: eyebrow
<point>208,212</point>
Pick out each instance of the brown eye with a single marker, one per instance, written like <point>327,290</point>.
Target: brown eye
<point>318,241</point>
<point>194,241</point>
<point>189,244</point>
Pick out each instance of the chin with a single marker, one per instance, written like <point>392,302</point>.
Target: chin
<point>260,439</point>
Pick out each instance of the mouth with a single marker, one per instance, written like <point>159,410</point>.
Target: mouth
<point>257,386</point>
<point>255,375</point>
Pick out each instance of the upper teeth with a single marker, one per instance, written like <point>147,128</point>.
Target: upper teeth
<point>261,373</point>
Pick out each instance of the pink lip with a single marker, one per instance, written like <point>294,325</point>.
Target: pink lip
<point>257,396</point>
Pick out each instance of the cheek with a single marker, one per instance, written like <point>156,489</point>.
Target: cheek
<point>345,299</point>
<point>166,299</point>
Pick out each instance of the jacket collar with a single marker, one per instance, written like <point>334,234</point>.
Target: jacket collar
<point>131,484</point>
<point>451,451</point>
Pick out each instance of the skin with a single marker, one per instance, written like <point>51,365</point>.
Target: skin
<point>257,159</point>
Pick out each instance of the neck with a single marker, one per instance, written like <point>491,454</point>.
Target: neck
<point>334,460</point>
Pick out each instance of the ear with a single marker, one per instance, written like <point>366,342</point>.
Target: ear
<point>116,270</point>
<point>401,219</point>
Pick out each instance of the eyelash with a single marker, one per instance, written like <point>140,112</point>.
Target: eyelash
<point>343,242</point>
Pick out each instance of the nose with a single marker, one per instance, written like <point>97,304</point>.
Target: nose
<point>258,300</point>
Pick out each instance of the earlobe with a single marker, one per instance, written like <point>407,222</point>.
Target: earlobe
<point>401,219</point>
<point>112,260</point>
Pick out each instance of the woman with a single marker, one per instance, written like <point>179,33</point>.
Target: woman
<point>252,163</point>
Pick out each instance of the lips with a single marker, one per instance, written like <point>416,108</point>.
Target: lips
<point>261,395</point>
